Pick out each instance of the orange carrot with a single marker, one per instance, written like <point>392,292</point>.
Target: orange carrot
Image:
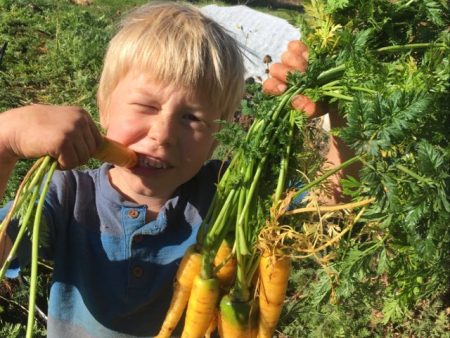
<point>187,271</point>
<point>116,153</point>
<point>201,307</point>
<point>226,263</point>
<point>274,275</point>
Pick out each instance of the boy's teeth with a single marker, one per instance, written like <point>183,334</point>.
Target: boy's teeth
<point>148,162</point>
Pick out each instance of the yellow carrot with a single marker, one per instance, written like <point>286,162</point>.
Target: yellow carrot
<point>226,264</point>
<point>212,325</point>
<point>201,307</point>
<point>187,271</point>
<point>274,275</point>
<point>116,153</point>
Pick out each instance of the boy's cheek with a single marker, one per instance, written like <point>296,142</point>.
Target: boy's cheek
<point>104,113</point>
<point>124,132</point>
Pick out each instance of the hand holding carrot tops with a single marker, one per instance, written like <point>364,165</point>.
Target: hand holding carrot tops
<point>66,133</point>
<point>295,58</point>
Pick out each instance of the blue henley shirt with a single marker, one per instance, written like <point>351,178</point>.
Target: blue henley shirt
<point>113,272</point>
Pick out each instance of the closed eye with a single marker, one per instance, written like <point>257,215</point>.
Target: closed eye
<point>145,107</point>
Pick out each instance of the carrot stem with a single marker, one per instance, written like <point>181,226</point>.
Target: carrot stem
<point>285,160</point>
<point>20,196</point>
<point>326,175</point>
<point>35,247</point>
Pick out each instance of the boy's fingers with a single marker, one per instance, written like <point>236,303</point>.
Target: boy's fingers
<point>95,138</point>
<point>274,86</point>
<point>280,71</point>
<point>310,108</point>
<point>68,157</point>
<point>304,104</point>
<point>294,61</point>
<point>298,47</point>
<point>92,141</point>
<point>296,56</point>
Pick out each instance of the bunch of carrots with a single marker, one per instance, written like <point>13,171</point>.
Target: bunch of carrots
<point>229,280</point>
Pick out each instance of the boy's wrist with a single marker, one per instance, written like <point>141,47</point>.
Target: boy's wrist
<point>7,155</point>
<point>7,163</point>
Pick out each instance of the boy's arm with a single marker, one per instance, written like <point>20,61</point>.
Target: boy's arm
<point>296,58</point>
<point>66,133</point>
<point>7,164</point>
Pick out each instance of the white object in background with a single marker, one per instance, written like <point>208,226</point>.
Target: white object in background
<point>261,34</point>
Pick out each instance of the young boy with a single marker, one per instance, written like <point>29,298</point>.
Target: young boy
<point>116,235</point>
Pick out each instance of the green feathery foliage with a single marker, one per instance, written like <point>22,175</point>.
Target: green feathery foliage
<point>393,92</point>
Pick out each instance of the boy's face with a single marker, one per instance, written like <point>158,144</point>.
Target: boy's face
<point>171,132</point>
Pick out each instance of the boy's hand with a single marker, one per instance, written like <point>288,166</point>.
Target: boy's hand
<point>66,133</point>
<point>295,58</point>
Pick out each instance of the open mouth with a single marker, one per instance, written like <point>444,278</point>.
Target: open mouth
<point>153,163</point>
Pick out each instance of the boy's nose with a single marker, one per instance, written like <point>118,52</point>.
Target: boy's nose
<point>162,130</point>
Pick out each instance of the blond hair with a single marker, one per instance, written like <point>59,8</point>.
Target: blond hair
<point>177,44</point>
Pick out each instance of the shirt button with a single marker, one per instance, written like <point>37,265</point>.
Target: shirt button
<point>133,213</point>
<point>138,271</point>
<point>138,239</point>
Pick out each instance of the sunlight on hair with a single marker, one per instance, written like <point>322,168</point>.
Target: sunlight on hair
<point>177,44</point>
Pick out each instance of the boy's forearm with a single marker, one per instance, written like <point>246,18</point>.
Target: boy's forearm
<point>338,153</point>
<point>5,248</point>
<point>7,160</point>
<point>7,166</point>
